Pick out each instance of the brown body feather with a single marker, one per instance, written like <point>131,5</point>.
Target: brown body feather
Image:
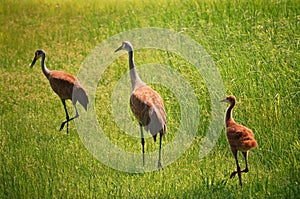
<point>147,106</point>
<point>62,83</point>
<point>240,137</point>
<point>67,86</point>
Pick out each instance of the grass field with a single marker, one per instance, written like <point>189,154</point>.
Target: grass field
<point>254,45</point>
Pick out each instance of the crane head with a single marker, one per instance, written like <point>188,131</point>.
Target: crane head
<point>126,45</point>
<point>37,55</point>
<point>229,99</point>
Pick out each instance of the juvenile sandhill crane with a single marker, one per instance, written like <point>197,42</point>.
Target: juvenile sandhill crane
<point>63,84</point>
<point>240,138</point>
<point>146,104</point>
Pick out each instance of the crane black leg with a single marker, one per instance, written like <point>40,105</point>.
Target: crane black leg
<point>77,115</point>
<point>143,143</point>
<point>159,153</point>
<point>238,169</point>
<point>67,117</point>
<point>245,154</point>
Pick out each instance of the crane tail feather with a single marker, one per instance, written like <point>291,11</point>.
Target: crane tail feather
<point>80,95</point>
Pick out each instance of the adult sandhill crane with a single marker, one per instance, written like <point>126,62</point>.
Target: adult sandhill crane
<point>146,104</point>
<point>240,138</point>
<point>63,84</point>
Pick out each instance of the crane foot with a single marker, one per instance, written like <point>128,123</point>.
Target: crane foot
<point>159,166</point>
<point>62,125</point>
<point>233,174</point>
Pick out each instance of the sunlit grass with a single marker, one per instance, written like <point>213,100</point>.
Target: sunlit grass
<point>254,45</point>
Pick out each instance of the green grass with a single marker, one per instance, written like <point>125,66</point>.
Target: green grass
<point>255,46</point>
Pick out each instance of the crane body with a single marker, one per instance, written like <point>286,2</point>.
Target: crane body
<point>146,104</point>
<point>65,85</point>
<point>240,138</point>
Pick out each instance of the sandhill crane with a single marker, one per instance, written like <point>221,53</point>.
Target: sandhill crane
<point>240,138</point>
<point>63,84</point>
<point>146,104</point>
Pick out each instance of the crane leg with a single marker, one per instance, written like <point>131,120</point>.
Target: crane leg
<point>245,154</point>
<point>67,117</point>
<point>238,169</point>
<point>159,152</point>
<point>143,143</point>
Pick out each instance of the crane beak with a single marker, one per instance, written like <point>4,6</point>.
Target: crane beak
<point>224,100</point>
<point>118,49</point>
<point>33,62</point>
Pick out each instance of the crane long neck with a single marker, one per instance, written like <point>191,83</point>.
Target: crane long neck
<point>135,79</point>
<point>44,68</point>
<point>228,116</point>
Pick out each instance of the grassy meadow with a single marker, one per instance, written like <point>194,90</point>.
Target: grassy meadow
<point>254,45</point>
